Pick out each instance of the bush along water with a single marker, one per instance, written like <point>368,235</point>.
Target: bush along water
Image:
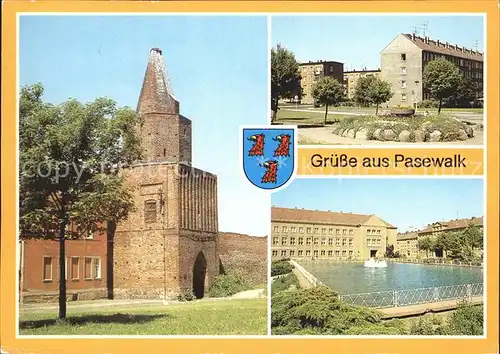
<point>281,267</point>
<point>288,282</point>
<point>319,311</point>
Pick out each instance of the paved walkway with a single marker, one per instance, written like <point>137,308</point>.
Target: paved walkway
<point>324,136</point>
<point>250,294</point>
<point>303,282</point>
<point>420,309</point>
<point>97,305</point>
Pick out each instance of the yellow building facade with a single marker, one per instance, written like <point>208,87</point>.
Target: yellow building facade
<point>351,79</point>
<point>313,234</point>
<point>407,243</point>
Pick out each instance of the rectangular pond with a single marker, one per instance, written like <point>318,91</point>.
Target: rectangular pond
<point>354,278</point>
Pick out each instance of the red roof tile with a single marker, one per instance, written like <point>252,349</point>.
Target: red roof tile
<point>320,216</point>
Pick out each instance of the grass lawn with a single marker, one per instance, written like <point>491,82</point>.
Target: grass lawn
<point>223,317</point>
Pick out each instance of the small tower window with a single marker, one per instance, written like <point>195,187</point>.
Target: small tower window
<point>150,211</point>
<point>164,152</point>
<point>403,56</point>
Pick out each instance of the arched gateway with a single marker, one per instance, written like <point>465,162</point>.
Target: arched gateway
<point>199,275</point>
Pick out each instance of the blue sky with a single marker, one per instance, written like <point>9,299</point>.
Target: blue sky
<point>217,67</point>
<point>403,202</point>
<point>357,41</point>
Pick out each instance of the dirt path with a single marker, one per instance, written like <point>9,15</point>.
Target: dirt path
<point>324,136</point>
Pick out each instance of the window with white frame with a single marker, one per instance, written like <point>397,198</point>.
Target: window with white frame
<point>47,268</point>
<point>75,268</point>
<point>92,268</point>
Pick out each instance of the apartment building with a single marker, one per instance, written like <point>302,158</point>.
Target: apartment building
<point>407,243</point>
<point>351,79</point>
<point>403,61</point>
<point>314,234</point>
<point>310,72</point>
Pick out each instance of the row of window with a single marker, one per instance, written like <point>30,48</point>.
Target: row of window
<point>471,64</point>
<point>315,241</point>
<point>91,269</point>
<point>373,242</point>
<point>309,230</point>
<point>307,253</point>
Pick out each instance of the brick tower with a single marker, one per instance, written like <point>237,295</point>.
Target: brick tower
<point>168,245</point>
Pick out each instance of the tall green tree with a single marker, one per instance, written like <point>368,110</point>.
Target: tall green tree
<point>426,244</point>
<point>380,92</point>
<point>328,91</point>
<point>372,90</point>
<point>285,76</point>
<point>467,92</point>
<point>362,91</point>
<point>69,172</point>
<point>474,236</point>
<point>389,251</point>
<point>442,78</point>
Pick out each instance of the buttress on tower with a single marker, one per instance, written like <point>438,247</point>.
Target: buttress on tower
<point>168,245</point>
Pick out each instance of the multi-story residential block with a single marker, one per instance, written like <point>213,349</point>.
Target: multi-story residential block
<point>314,234</point>
<point>351,79</point>
<point>310,72</point>
<point>403,61</point>
<point>407,243</point>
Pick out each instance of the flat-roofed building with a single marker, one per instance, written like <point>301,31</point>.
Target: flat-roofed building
<point>315,234</point>
<point>310,72</point>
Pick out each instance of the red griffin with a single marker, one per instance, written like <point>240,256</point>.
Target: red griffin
<point>271,171</point>
<point>284,146</point>
<point>258,147</point>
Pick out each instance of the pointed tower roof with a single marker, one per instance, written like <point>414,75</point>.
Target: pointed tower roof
<point>156,93</point>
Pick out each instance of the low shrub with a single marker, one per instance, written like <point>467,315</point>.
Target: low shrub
<point>228,284</point>
<point>425,326</point>
<point>467,320</point>
<point>281,267</point>
<point>186,295</point>
<point>428,104</point>
<point>318,310</point>
<point>284,283</point>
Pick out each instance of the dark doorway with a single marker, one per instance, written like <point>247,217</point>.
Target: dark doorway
<point>439,252</point>
<point>373,253</point>
<point>199,274</point>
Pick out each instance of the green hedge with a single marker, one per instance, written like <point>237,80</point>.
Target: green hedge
<point>228,284</point>
<point>281,267</point>
<point>284,283</point>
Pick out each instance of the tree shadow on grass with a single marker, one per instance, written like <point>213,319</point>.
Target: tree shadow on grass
<point>118,318</point>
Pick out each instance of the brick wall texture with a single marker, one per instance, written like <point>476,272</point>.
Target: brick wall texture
<point>245,255</point>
